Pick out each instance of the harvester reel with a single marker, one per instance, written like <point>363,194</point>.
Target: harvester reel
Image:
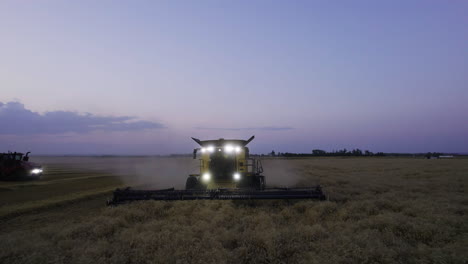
<point>127,195</point>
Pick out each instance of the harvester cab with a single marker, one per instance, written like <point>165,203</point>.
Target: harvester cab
<point>226,163</point>
<point>226,172</point>
<point>16,166</point>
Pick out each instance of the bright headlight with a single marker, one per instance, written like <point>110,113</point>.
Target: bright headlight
<point>36,171</point>
<point>210,149</point>
<point>238,149</point>
<point>206,176</point>
<point>237,176</point>
<point>203,150</point>
<point>228,148</point>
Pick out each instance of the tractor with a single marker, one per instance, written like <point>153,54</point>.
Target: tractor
<point>16,166</point>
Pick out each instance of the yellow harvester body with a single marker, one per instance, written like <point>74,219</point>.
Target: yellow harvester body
<point>226,163</point>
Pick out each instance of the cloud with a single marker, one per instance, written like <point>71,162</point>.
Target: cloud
<point>15,119</point>
<point>267,128</point>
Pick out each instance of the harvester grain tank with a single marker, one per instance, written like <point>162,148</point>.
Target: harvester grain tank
<point>16,166</point>
<point>226,172</point>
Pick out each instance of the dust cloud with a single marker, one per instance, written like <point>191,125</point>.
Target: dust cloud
<point>144,172</point>
<point>163,172</point>
<point>280,172</point>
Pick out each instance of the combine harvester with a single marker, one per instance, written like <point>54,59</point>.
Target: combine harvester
<point>226,173</point>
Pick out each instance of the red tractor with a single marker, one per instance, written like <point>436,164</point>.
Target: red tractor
<point>16,166</point>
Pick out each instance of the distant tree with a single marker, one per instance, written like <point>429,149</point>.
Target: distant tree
<point>273,153</point>
<point>356,152</point>
<point>319,152</point>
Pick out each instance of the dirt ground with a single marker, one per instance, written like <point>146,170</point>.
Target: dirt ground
<point>380,210</point>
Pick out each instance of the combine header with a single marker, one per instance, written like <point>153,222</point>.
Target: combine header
<point>125,195</point>
<point>226,173</point>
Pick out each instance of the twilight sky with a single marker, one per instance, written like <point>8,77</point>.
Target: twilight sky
<point>142,77</point>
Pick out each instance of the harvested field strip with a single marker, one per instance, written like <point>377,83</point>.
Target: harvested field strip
<point>13,186</point>
<point>59,188</point>
<point>16,209</point>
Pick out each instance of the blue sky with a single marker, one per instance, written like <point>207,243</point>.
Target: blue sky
<point>378,75</point>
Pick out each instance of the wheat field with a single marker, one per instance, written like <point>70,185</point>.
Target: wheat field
<point>379,210</point>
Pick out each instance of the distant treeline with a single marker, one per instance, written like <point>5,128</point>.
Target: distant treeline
<point>351,153</point>
<point>323,153</point>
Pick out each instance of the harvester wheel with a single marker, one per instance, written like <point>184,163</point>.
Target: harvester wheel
<point>260,182</point>
<point>193,183</point>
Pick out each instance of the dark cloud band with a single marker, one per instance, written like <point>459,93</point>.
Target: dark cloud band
<point>15,119</point>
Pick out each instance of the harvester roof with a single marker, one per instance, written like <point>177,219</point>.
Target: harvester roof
<point>222,141</point>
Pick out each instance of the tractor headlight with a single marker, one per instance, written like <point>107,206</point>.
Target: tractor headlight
<point>238,149</point>
<point>206,176</point>
<point>237,176</point>
<point>36,171</point>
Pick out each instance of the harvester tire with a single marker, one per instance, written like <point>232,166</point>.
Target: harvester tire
<point>192,183</point>
<point>260,183</point>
